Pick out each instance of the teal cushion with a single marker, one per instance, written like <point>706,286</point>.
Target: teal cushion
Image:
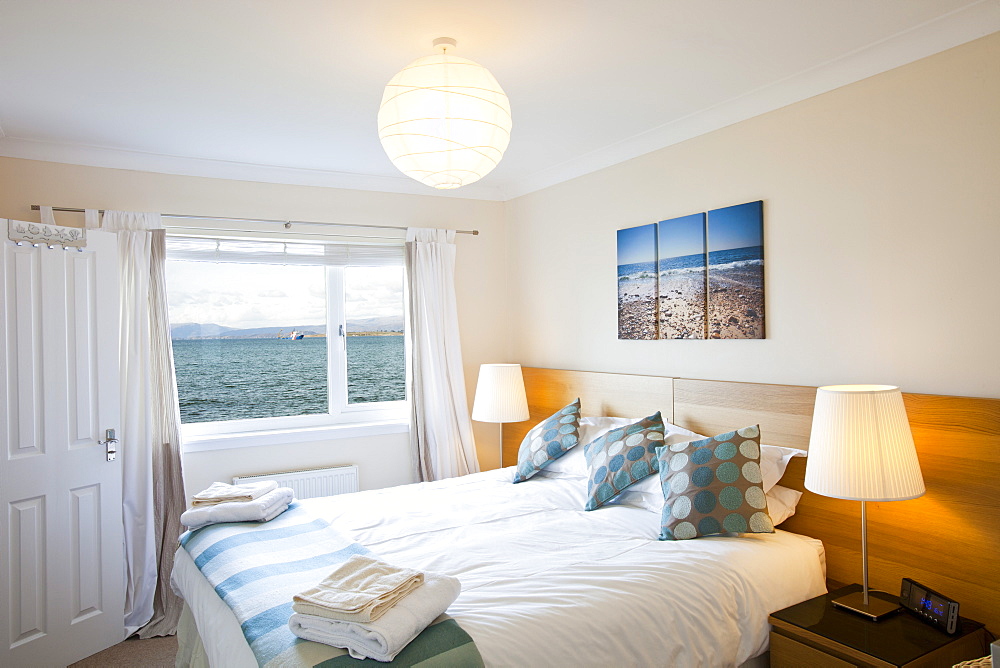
<point>621,458</point>
<point>713,486</point>
<point>548,441</point>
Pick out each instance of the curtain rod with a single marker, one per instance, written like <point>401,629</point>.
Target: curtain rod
<point>286,223</point>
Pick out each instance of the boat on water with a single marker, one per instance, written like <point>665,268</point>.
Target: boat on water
<point>294,336</point>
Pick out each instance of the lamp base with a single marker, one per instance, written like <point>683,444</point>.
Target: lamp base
<point>876,609</point>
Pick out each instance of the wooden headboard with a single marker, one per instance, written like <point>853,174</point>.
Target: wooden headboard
<point>948,539</point>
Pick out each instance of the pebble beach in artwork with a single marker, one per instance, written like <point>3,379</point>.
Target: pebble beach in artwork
<point>736,299</point>
<point>682,304</point>
<point>637,301</point>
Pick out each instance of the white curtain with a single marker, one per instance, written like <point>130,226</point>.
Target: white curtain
<point>440,429</point>
<point>152,486</point>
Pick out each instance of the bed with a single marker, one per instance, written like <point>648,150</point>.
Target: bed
<point>538,574</point>
<point>545,583</point>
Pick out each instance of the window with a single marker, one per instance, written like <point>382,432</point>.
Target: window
<point>376,354</point>
<point>274,335</point>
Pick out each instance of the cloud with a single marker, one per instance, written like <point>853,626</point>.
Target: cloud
<point>260,295</point>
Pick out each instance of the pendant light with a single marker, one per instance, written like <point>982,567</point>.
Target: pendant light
<point>444,120</point>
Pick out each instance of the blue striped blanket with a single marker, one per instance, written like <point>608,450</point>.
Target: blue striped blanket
<point>257,568</point>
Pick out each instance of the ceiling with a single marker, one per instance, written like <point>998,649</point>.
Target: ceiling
<point>287,90</point>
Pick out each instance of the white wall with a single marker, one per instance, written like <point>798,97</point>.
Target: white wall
<point>383,461</point>
<point>480,283</point>
<point>882,238</point>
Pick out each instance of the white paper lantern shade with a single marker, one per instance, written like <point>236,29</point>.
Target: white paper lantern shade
<point>444,121</point>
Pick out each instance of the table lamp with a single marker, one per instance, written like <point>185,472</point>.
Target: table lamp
<point>861,449</point>
<point>500,397</point>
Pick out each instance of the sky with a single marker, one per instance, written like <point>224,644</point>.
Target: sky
<point>373,291</point>
<point>736,226</point>
<point>682,236</point>
<point>637,244</point>
<point>262,295</point>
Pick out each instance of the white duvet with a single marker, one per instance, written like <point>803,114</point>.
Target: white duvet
<point>545,583</point>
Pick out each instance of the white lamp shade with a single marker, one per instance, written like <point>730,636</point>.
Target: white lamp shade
<point>500,394</point>
<point>444,121</point>
<point>861,447</point>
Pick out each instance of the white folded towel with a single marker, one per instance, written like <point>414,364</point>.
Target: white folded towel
<point>220,492</point>
<point>386,637</point>
<point>361,589</point>
<point>261,509</point>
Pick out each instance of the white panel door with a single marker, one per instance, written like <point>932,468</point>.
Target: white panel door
<point>62,590</point>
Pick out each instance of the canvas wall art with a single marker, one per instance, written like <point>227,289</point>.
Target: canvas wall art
<point>637,282</point>
<point>681,265</point>
<point>736,272</point>
<point>694,277</point>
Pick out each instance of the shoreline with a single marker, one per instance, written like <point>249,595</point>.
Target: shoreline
<point>283,338</point>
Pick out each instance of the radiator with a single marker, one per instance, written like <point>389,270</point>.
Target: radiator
<point>313,482</point>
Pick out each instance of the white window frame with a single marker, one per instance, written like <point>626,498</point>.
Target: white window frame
<point>343,420</point>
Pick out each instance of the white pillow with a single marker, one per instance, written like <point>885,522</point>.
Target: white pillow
<point>573,463</point>
<point>781,502</point>
<point>773,460</point>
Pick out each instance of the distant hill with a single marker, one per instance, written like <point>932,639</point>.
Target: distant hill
<point>271,332</point>
<point>192,330</point>
<point>209,331</point>
<point>383,324</point>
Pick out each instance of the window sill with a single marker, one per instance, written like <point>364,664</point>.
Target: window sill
<point>247,439</point>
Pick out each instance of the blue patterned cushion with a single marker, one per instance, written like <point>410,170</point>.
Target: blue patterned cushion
<point>548,441</point>
<point>713,486</point>
<point>621,458</point>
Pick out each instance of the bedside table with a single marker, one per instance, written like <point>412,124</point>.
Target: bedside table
<point>816,634</point>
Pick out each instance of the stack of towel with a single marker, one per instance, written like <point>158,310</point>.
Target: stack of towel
<point>249,502</point>
<point>370,608</point>
<point>220,492</point>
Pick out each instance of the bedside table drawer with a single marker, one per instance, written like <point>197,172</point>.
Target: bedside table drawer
<point>788,653</point>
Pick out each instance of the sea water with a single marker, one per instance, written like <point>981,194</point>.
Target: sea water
<point>682,265</point>
<point>641,274</point>
<point>239,379</point>
<point>636,281</point>
<point>735,258</point>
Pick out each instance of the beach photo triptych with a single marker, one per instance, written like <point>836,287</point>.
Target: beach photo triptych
<point>694,277</point>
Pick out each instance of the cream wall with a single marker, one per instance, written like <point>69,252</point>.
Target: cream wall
<point>480,280</point>
<point>882,234</point>
<point>882,238</point>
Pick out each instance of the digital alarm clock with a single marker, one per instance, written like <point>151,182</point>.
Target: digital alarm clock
<point>928,605</point>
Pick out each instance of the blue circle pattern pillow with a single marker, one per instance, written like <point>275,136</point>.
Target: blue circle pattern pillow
<point>548,441</point>
<point>713,486</point>
<point>620,458</point>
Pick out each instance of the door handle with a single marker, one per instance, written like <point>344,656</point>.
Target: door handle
<point>109,443</point>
